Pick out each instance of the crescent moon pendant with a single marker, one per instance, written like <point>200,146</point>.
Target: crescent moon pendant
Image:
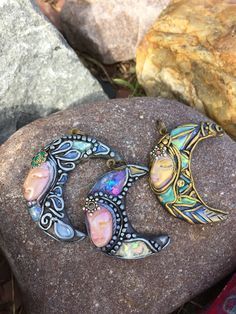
<point>44,185</point>
<point>171,178</point>
<point>107,220</point>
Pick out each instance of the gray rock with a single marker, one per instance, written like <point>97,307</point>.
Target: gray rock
<point>75,277</point>
<point>39,72</point>
<point>109,29</point>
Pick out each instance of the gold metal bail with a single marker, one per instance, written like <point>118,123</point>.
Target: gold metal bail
<point>75,131</point>
<point>112,163</point>
<point>161,127</point>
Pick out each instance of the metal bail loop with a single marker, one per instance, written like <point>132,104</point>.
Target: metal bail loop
<point>113,164</point>
<point>75,131</point>
<point>161,127</point>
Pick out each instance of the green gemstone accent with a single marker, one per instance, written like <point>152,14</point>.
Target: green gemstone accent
<point>81,146</point>
<point>38,159</point>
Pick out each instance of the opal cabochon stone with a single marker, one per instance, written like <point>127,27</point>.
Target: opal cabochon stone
<point>35,212</point>
<point>111,183</point>
<point>63,231</point>
<point>134,249</point>
<point>81,146</point>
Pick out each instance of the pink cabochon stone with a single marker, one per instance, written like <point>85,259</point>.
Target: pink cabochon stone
<point>36,181</point>
<point>100,226</point>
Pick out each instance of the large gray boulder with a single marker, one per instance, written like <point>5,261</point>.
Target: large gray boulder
<point>39,72</point>
<point>75,277</point>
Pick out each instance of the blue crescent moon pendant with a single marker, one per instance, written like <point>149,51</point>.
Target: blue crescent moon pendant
<point>107,221</point>
<point>171,177</point>
<point>43,187</point>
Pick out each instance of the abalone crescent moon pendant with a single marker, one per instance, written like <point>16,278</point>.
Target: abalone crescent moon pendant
<point>107,220</point>
<point>43,187</point>
<point>171,177</point>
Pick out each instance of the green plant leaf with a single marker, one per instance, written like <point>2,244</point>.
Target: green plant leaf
<point>124,83</point>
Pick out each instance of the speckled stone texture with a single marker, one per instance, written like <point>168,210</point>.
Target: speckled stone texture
<point>190,54</point>
<point>39,72</point>
<point>75,277</point>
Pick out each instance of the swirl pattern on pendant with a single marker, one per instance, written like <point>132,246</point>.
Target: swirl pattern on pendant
<point>43,187</point>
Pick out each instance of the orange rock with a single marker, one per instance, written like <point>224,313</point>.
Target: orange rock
<point>190,54</point>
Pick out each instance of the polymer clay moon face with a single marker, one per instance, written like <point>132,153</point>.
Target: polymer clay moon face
<point>107,221</point>
<point>43,187</point>
<point>171,178</point>
<point>37,181</point>
<point>162,171</point>
<point>100,223</point>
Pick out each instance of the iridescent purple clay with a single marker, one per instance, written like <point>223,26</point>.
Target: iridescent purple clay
<point>112,183</point>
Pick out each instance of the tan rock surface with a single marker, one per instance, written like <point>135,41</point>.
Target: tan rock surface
<point>190,54</point>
